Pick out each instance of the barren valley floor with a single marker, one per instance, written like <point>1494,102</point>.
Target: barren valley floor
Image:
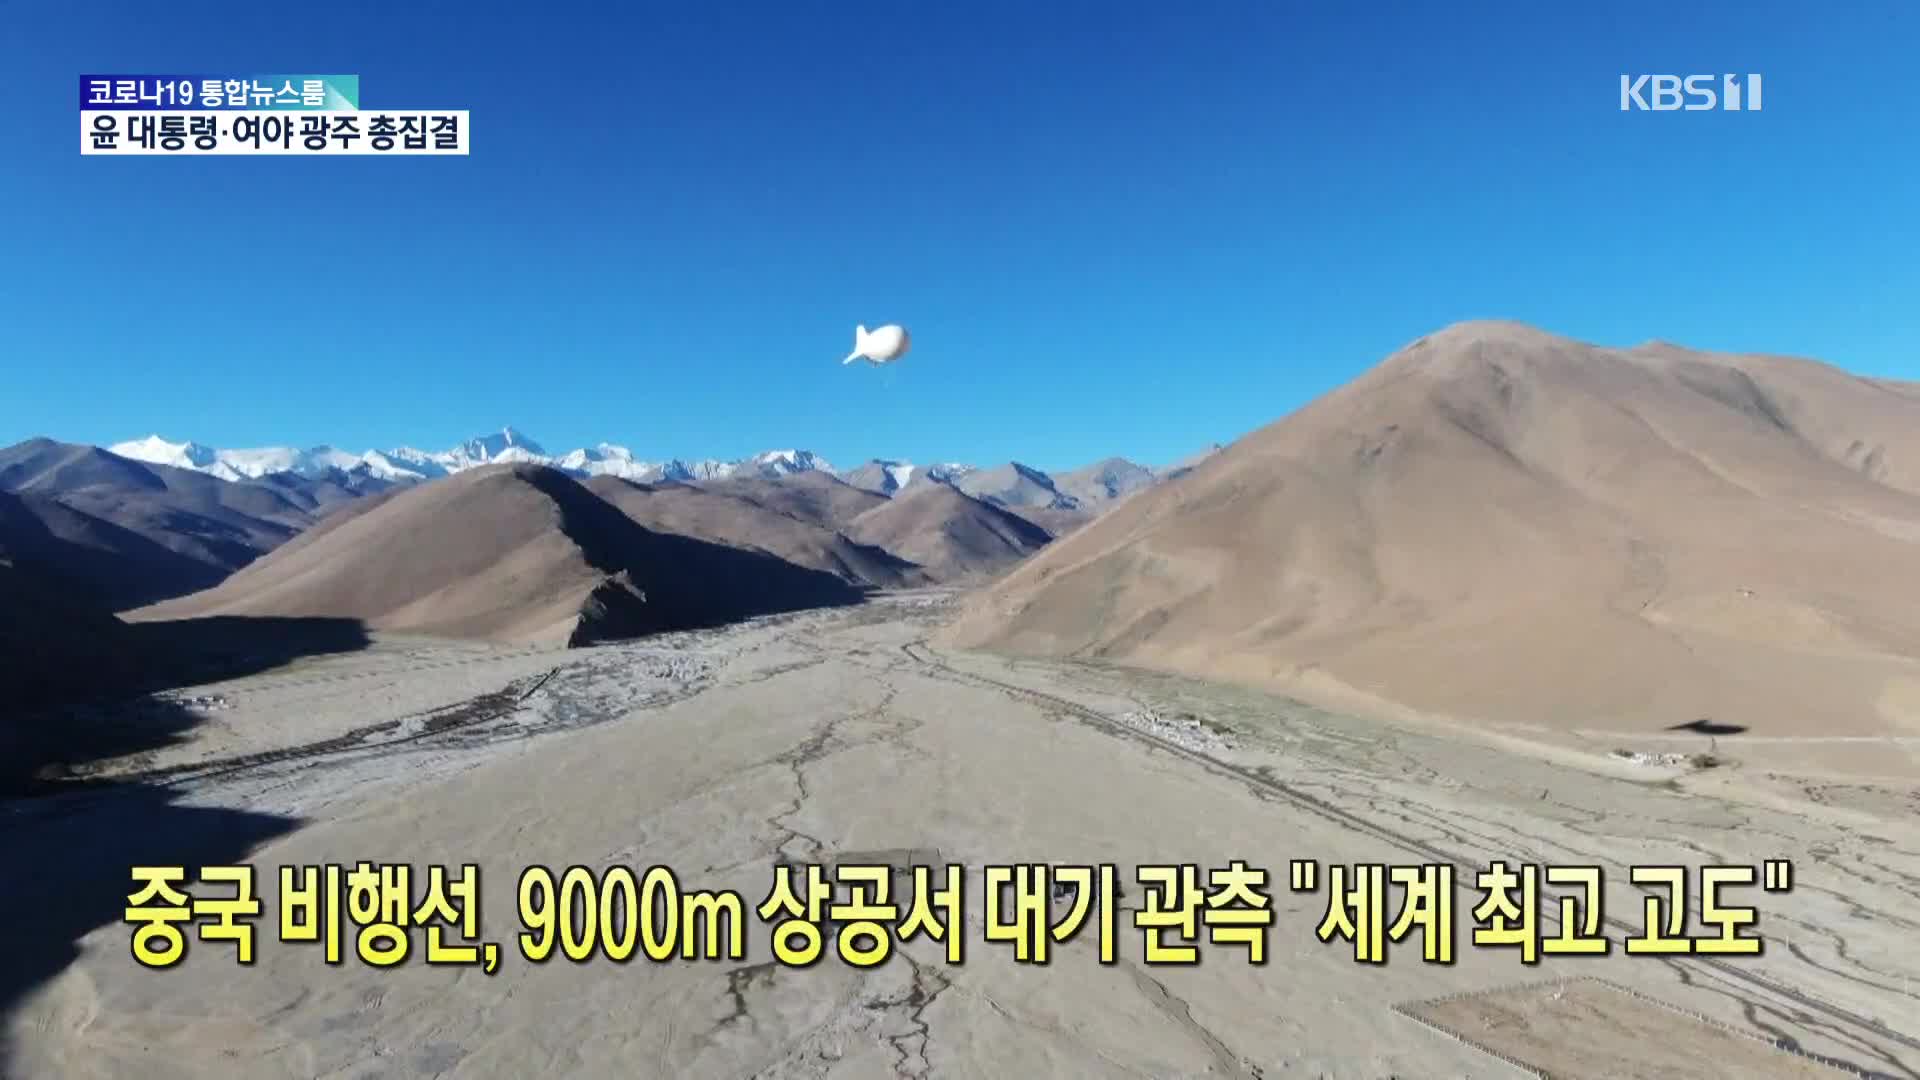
<point>844,735</point>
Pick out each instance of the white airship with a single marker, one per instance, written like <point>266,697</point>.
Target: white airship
<point>882,346</point>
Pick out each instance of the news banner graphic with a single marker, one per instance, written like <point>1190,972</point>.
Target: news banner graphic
<point>255,114</point>
<point>860,910</point>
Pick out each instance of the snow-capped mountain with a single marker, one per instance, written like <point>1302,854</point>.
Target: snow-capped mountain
<point>704,469</point>
<point>404,464</point>
<point>502,446</point>
<point>249,464</point>
<point>184,455</point>
<point>607,459</point>
<point>1010,485</point>
<point>267,460</point>
<point>399,464</point>
<point>885,476</point>
<point>788,462</point>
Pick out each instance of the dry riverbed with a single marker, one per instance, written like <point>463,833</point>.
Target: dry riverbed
<point>844,737</point>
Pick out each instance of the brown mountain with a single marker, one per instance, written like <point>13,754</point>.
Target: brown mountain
<point>93,561</point>
<point>950,534</point>
<point>1105,481</point>
<point>874,477</point>
<point>1058,521</point>
<point>1501,524</point>
<point>1015,487</point>
<point>176,531</point>
<point>813,496</point>
<point>511,553</point>
<point>742,516</point>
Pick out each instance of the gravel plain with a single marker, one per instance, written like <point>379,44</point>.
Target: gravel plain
<point>844,736</point>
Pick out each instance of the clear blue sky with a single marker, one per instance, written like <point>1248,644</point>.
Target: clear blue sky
<point>1112,227</point>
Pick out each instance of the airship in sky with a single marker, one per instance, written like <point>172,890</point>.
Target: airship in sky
<point>882,346</point>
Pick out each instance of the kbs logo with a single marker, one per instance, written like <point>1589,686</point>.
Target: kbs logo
<point>1694,93</point>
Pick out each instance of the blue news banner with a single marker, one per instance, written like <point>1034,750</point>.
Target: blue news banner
<point>255,114</point>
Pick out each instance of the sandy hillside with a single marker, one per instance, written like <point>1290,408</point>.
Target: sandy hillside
<point>510,553</point>
<point>1186,464</point>
<point>725,516</point>
<point>951,534</point>
<point>130,492</point>
<point>1059,521</point>
<point>1504,525</point>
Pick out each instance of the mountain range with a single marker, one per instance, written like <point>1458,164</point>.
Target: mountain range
<point>120,532</point>
<point>1010,485</point>
<point>512,552</point>
<point>1495,523</point>
<point>150,520</point>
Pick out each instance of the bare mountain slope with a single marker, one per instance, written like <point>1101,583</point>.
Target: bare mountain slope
<point>218,525</point>
<point>1501,524</point>
<point>1104,481</point>
<point>46,467</point>
<point>1185,465</point>
<point>512,553</point>
<point>722,516</point>
<point>1865,424</point>
<point>952,535</point>
<point>1059,521</point>
<point>92,561</point>
<point>1014,486</point>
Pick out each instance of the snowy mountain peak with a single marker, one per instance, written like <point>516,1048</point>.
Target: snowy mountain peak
<point>606,459</point>
<point>485,449</point>
<point>708,468</point>
<point>158,451</point>
<point>886,476</point>
<point>406,464</point>
<point>784,462</point>
<point>402,463</point>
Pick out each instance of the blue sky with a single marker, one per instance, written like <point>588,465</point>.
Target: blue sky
<point>1112,227</point>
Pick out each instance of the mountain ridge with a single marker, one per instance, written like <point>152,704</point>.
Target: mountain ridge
<point>513,552</point>
<point>183,528</point>
<point>1500,524</point>
<point>1012,484</point>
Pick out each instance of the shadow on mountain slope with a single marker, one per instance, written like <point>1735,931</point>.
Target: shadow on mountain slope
<point>79,686</point>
